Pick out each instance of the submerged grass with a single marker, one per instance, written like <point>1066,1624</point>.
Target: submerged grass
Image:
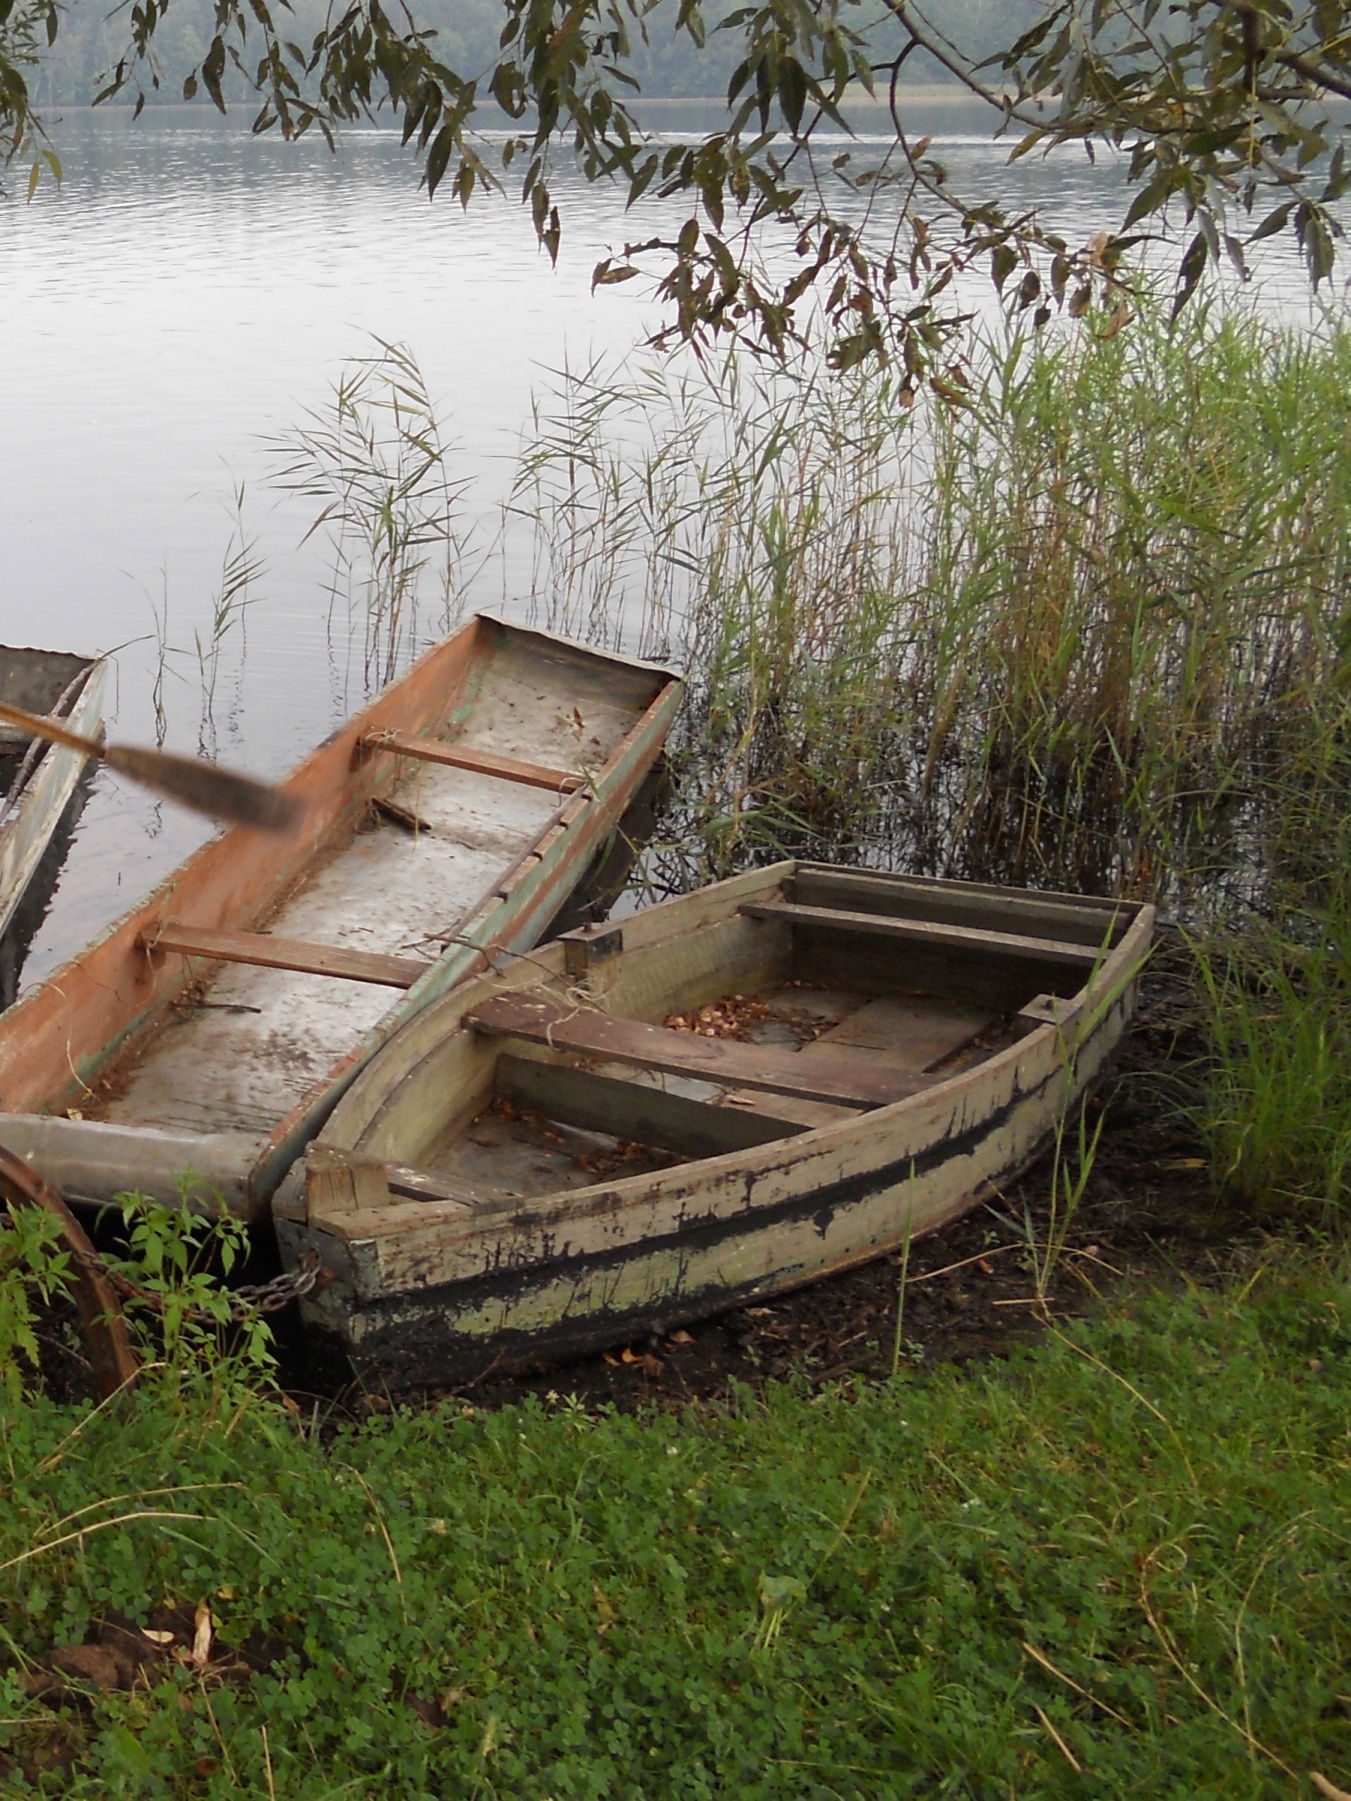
<point>1115,1567</point>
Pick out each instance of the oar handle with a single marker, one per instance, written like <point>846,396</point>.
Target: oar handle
<point>39,726</point>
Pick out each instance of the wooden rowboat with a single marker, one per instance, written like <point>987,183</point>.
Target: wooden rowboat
<point>727,1095</point>
<point>36,779</point>
<point>213,1027</point>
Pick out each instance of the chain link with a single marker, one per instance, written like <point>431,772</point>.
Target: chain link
<point>246,1301</point>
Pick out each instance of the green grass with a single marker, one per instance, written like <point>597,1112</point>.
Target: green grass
<point>1116,1567</point>
<point>1275,1106</point>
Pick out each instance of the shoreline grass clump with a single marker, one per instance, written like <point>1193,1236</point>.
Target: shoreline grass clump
<point>1275,1090</point>
<point>1140,543</point>
<point>376,462</point>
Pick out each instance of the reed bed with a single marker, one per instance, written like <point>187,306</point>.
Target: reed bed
<point>374,459</point>
<point>1087,630</point>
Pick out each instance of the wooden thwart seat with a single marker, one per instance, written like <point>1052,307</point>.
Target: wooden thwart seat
<point>1078,919</point>
<point>821,1073</point>
<point>286,953</point>
<point>923,931</point>
<point>639,1112</point>
<point>484,762</point>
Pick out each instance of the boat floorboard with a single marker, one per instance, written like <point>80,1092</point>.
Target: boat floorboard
<point>508,1151</point>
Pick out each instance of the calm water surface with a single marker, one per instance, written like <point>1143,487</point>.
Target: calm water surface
<point>190,291</point>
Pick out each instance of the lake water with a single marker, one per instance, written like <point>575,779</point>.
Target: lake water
<point>188,293</point>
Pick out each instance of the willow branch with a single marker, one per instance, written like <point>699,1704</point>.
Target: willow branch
<point>955,65</point>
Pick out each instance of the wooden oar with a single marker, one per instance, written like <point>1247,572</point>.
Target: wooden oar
<point>220,793</point>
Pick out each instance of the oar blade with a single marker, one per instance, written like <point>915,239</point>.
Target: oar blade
<point>220,793</point>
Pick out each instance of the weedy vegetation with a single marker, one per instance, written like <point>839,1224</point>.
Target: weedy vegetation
<point>375,460</point>
<point>1087,630</point>
<point>242,568</point>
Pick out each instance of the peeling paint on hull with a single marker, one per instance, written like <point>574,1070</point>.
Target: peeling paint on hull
<point>438,1284</point>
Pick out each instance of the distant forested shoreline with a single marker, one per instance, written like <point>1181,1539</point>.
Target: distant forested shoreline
<point>73,70</point>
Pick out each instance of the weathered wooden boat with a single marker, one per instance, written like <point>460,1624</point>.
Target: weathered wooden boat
<point>728,1095</point>
<point>37,779</point>
<point>212,1028</point>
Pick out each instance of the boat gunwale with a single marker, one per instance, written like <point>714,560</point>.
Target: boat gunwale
<point>38,804</point>
<point>603,799</point>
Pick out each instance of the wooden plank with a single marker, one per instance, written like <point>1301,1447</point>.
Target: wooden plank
<point>1050,1010</point>
<point>954,887</point>
<point>434,1185</point>
<point>90,1161</point>
<point>923,931</point>
<point>1080,921</point>
<point>270,952</point>
<point>851,1077</point>
<point>406,817</point>
<point>484,762</point>
<point>912,1028</point>
<point>637,1112</point>
<point>340,1184</point>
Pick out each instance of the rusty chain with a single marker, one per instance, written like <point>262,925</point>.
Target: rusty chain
<point>246,1301</point>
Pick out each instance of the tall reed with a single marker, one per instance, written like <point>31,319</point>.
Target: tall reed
<point>241,568</point>
<point>1134,617</point>
<point>376,462</point>
<point>1275,1108</point>
<point>757,538</point>
<point>1087,630</point>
